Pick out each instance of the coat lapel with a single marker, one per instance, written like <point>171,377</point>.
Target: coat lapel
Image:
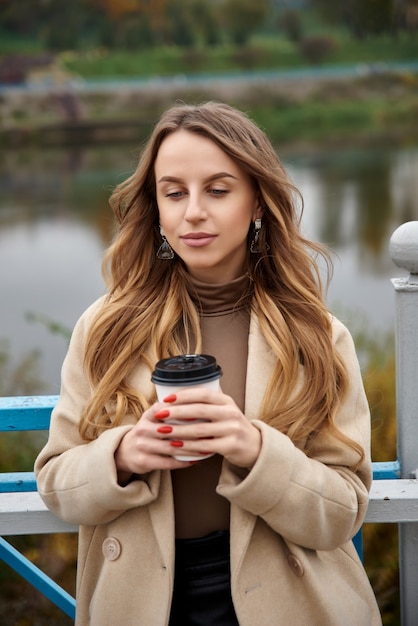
<point>162,508</point>
<point>259,367</point>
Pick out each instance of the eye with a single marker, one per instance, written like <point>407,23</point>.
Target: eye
<point>218,192</point>
<point>174,194</point>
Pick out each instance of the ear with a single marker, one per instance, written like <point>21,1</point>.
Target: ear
<point>258,211</point>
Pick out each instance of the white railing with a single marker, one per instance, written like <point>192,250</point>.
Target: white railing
<point>403,249</point>
<point>394,492</point>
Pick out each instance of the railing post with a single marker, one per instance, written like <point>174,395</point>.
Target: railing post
<point>403,250</point>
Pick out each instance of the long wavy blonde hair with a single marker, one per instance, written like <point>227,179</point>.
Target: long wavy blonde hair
<point>149,314</point>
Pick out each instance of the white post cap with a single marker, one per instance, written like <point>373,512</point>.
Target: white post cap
<point>403,247</point>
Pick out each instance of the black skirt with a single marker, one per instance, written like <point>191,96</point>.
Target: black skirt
<point>202,582</point>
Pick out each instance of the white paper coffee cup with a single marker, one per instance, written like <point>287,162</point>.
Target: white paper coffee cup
<point>186,370</point>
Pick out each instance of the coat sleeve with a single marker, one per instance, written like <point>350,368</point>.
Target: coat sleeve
<point>317,502</point>
<point>77,479</point>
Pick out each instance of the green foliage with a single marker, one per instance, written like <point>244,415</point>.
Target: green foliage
<point>51,325</point>
<point>362,17</point>
<point>207,23</point>
<point>231,33</point>
<point>376,49</point>
<point>381,560</point>
<point>21,18</point>
<point>317,48</point>
<point>268,53</point>
<point>381,540</point>
<point>17,450</point>
<point>243,17</point>
<point>20,603</point>
<point>179,28</point>
<point>54,25</point>
<point>83,24</point>
<point>23,379</point>
<point>290,22</point>
<point>379,381</point>
<point>333,112</point>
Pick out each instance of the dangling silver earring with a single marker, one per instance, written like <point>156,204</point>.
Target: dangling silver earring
<point>255,244</point>
<point>165,251</point>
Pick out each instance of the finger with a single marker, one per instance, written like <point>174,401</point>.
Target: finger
<point>159,462</point>
<point>198,394</point>
<point>198,411</point>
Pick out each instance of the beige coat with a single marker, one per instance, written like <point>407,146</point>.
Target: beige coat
<point>292,517</point>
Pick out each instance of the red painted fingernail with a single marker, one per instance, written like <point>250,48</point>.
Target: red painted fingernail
<point>171,398</point>
<point>176,443</point>
<point>164,430</point>
<point>161,415</point>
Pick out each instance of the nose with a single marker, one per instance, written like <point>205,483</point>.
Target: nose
<point>195,210</point>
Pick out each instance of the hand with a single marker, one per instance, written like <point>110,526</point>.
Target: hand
<point>144,448</point>
<point>226,431</point>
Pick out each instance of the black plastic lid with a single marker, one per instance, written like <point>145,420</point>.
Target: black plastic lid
<point>186,369</point>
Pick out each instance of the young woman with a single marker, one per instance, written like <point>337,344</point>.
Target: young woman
<point>209,258</point>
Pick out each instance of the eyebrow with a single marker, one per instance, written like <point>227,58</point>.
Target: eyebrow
<point>173,179</point>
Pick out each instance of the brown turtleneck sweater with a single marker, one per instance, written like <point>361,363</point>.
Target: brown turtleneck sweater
<point>224,317</point>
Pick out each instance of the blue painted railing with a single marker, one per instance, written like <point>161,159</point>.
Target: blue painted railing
<point>29,414</point>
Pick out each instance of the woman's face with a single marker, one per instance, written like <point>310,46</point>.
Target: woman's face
<point>206,204</point>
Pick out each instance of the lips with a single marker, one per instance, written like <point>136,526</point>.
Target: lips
<point>198,240</point>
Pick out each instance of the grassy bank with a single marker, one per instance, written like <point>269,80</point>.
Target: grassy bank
<point>364,108</point>
<point>355,109</point>
<point>262,53</point>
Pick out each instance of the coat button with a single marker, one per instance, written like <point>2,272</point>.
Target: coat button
<point>295,564</point>
<point>111,549</point>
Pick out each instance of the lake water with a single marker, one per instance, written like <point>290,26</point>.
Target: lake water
<point>55,223</point>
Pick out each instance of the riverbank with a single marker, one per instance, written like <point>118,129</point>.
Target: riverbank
<point>371,102</point>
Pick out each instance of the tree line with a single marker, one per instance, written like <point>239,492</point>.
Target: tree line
<point>139,24</point>
<point>370,17</point>
<point>133,24</point>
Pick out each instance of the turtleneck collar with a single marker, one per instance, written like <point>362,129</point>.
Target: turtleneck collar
<point>221,298</point>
